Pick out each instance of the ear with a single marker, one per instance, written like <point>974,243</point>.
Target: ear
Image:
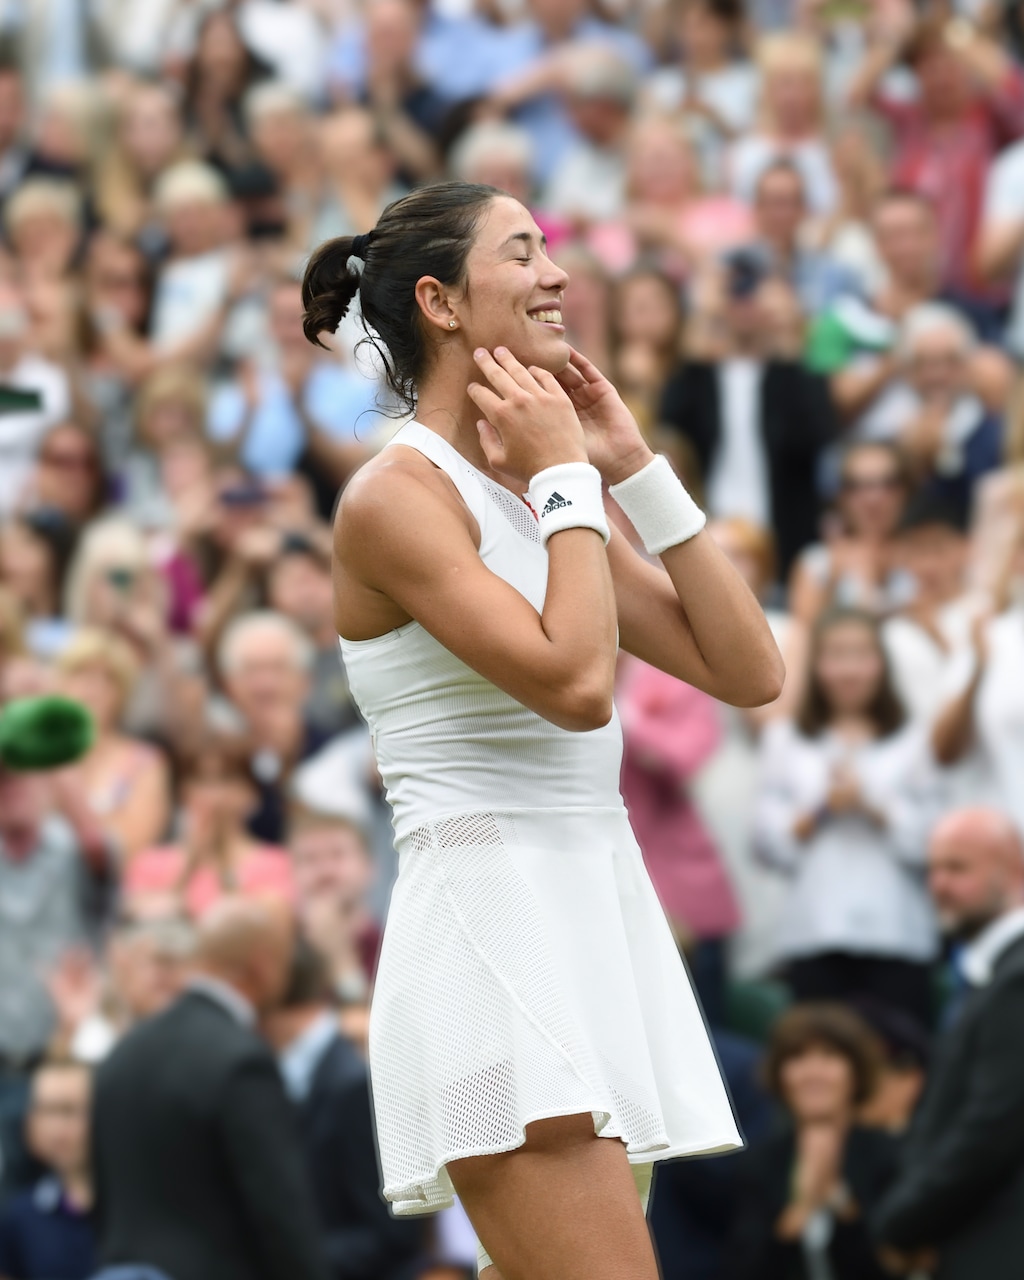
<point>434,304</point>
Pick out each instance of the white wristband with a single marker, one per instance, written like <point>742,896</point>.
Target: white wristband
<point>568,496</point>
<point>658,507</point>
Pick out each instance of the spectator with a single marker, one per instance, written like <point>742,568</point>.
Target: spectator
<point>669,213</point>
<point>228,1195</point>
<point>1000,249</point>
<point>299,587</point>
<point>931,545</point>
<point>304,411</point>
<point>708,82</point>
<point>962,1172</point>
<point>756,420</point>
<point>125,780</point>
<point>47,1232</point>
<point>978,719</point>
<point>43,224</point>
<point>333,876</point>
<point>47,401</point>
<point>846,797</point>
<point>359,174</point>
<point>791,123</point>
<point>669,730</point>
<point>409,112</point>
<point>221,70</point>
<point>68,477</point>
<point>326,1078</point>
<point>265,662</point>
<point>845,234</point>
<point>807,1193</point>
<point>56,889</point>
<point>856,344</point>
<point>13,152</point>
<point>647,333</point>
<point>34,552</point>
<point>216,856</point>
<point>970,103</point>
<point>725,789</point>
<point>858,566</point>
<point>148,138</point>
<point>780,215</point>
<point>590,183</point>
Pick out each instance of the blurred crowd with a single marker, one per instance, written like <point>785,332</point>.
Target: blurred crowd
<point>795,236</point>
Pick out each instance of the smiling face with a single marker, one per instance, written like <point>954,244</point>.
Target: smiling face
<point>818,1084</point>
<point>849,667</point>
<point>513,291</point>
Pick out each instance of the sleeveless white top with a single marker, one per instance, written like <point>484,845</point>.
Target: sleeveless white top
<point>447,740</point>
<point>527,968</point>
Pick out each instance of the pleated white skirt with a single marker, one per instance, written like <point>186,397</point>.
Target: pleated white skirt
<point>527,970</point>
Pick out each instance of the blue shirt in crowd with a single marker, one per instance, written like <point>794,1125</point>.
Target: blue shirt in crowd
<point>42,1237</point>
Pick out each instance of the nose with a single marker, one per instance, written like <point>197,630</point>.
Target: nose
<point>555,277</point>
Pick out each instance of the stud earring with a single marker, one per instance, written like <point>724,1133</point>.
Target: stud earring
<point>451,324</point>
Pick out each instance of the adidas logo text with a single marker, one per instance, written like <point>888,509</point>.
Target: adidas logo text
<point>555,503</point>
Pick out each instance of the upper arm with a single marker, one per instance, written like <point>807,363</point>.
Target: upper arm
<point>441,582</point>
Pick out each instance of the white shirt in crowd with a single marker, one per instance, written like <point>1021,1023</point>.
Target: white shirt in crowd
<point>855,887</point>
<point>589,183</point>
<point>1004,203</point>
<point>189,291</point>
<point>737,483</point>
<point>998,713</point>
<point>750,156</point>
<point>22,433</point>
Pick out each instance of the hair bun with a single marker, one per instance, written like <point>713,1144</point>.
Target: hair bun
<point>329,286</point>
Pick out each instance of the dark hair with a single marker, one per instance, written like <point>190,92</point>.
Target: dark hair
<point>781,164</point>
<point>886,710</point>
<point>832,1026</point>
<point>309,980</point>
<point>426,233</point>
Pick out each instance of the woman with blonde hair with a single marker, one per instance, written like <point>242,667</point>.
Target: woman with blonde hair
<point>43,223</point>
<point>668,215</point>
<point>125,780</point>
<point>148,136</point>
<point>792,122</point>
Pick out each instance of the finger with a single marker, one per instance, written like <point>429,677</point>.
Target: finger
<point>490,442</point>
<point>570,378</point>
<point>487,401</point>
<point>546,379</point>
<point>518,372</point>
<point>496,374</point>
<point>585,367</point>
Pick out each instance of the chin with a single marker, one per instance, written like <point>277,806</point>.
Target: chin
<point>551,353</point>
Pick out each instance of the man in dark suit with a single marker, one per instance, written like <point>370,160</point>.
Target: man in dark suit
<point>961,1194</point>
<point>754,420</point>
<point>196,1158</point>
<point>326,1078</point>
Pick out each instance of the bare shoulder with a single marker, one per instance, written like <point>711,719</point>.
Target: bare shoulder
<point>393,494</point>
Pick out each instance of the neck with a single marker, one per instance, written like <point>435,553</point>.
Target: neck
<point>445,408</point>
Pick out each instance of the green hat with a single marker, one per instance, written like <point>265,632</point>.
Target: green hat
<point>44,733</point>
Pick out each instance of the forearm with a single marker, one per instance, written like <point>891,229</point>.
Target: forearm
<point>727,622</point>
<point>953,730</point>
<point>413,148</point>
<point>869,73</point>
<point>1000,249</point>
<point>853,390</point>
<point>579,618</point>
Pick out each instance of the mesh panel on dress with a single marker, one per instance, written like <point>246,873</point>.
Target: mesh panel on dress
<point>478,1036</point>
<point>515,511</point>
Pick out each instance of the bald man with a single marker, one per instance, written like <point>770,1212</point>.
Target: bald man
<point>961,1195</point>
<point>196,1158</point>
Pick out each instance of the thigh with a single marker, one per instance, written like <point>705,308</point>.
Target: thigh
<point>563,1206</point>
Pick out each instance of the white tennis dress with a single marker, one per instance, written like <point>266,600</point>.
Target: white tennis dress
<point>527,968</point>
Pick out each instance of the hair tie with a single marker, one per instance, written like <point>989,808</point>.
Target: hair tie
<point>359,245</point>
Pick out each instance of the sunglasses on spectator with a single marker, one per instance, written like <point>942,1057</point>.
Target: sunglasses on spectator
<point>69,459</point>
<point>857,484</point>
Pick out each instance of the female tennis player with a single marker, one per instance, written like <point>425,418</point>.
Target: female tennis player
<point>534,1040</point>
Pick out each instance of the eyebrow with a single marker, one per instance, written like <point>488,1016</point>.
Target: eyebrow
<point>527,238</point>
